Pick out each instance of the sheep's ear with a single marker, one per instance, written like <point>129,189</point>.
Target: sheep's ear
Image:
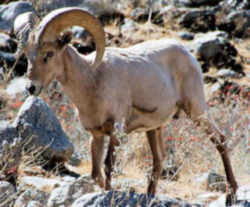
<point>64,39</point>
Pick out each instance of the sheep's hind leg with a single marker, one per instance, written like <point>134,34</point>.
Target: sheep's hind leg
<point>199,114</point>
<point>155,142</point>
<point>220,143</point>
<point>110,161</point>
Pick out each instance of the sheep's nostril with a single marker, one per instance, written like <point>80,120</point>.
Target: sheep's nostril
<point>32,89</point>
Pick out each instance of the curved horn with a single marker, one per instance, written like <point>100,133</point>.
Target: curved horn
<point>58,20</point>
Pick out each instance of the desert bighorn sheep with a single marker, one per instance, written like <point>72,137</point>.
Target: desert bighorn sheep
<point>144,85</point>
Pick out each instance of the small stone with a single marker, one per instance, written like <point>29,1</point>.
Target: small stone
<point>186,35</point>
<point>226,73</point>
<point>216,182</point>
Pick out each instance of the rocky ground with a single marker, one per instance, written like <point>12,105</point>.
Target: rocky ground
<point>44,149</point>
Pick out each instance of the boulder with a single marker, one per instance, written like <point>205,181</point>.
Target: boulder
<point>237,24</point>
<point>199,20</point>
<point>37,127</point>
<point>23,24</point>
<point>122,199</point>
<point>68,193</point>
<point>214,49</point>
<point>37,121</point>
<point>7,132</point>
<point>9,12</point>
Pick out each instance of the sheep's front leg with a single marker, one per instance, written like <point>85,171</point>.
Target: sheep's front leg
<point>155,142</point>
<point>110,161</point>
<point>97,145</point>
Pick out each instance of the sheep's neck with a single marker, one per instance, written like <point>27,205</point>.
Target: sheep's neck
<point>79,83</point>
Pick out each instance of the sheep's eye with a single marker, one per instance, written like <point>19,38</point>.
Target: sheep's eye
<point>47,56</point>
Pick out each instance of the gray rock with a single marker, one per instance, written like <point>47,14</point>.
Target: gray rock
<point>216,182</point>
<point>233,16</point>
<point>23,24</point>
<point>68,193</point>
<point>37,121</point>
<point>199,20</point>
<point>37,127</point>
<point>7,132</point>
<point>31,195</point>
<point>40,183</point>
<point>213,49</point>
<point>122,199</point>
<point>9,12</point>
<point>186,35</point>
<point>6,192</point>
<point>60,196</point>
<point>243,196</point>
<point>128,26</point>
<point>7,44</point>
<point>239,22</point>
<point>226,73</point>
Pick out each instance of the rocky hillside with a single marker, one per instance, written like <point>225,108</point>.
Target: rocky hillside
<point>44,150</point>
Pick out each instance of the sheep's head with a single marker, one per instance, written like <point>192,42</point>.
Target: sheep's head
<point>47,43</point>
